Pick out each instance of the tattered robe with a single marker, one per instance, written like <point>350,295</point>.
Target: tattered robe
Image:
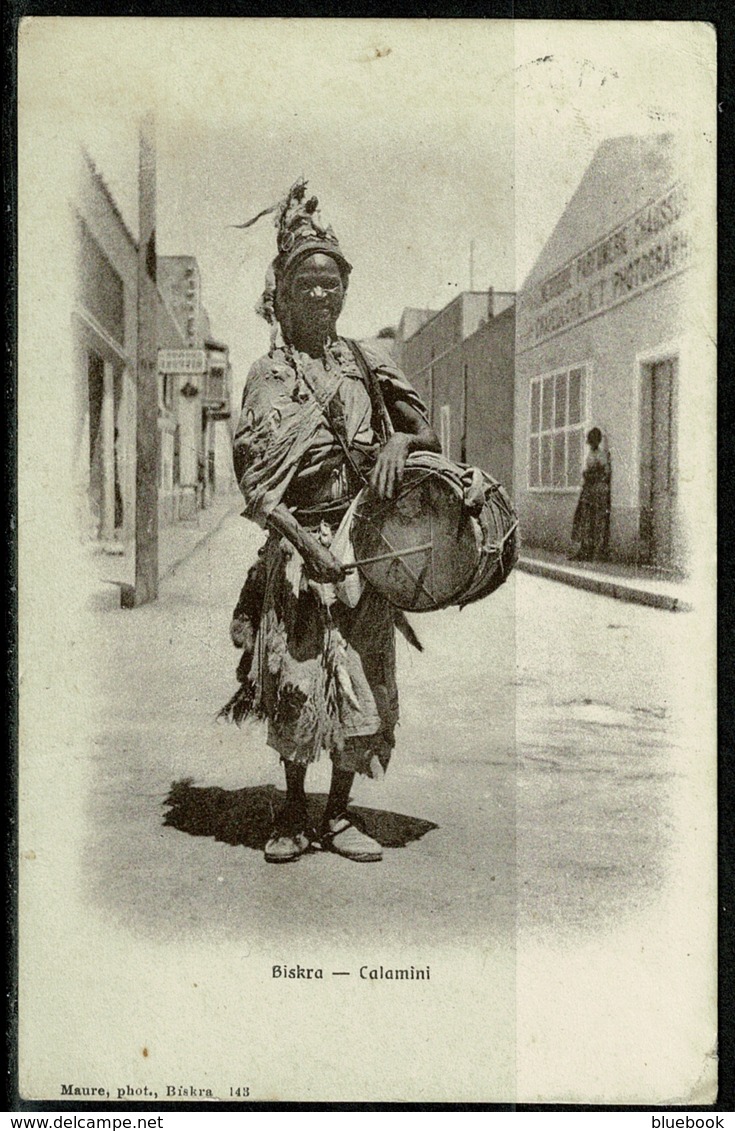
<point>322,672</point>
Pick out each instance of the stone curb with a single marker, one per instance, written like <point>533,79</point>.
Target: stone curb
<point>620,589</point>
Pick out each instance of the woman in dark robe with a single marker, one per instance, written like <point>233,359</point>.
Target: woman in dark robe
<point>591,525</point>
<point>321,416</point>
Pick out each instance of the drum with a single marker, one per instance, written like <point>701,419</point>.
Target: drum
<point>448,538</point>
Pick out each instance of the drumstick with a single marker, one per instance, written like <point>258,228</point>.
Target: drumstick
<point>391,554</point>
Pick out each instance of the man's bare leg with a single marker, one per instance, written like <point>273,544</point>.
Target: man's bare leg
<point>338,833</point>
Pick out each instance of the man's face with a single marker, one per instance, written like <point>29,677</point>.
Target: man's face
<point>316,295</point>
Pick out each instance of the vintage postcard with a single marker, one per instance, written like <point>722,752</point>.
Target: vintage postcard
<point>367,561</point>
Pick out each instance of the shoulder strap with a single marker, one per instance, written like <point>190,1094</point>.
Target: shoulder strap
<point>333,414</point>
<point>381,421</point>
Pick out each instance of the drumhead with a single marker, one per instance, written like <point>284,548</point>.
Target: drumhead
<point>428,512</point>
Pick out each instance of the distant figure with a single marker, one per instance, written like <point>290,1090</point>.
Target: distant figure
<point>591,525</point>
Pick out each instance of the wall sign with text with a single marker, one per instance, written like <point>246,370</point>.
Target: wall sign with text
<point>652,245</point>
<point>182,361</point>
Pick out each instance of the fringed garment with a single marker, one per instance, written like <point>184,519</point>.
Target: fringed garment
<point>319,660</point>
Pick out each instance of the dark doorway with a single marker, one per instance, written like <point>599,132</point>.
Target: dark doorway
<point>95,382</point>
<point>177,457</point>
<point>119,504</point>
<point>658,477</point>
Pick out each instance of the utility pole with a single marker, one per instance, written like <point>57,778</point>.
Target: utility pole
<point>472,265</point>
<point>146,441</point>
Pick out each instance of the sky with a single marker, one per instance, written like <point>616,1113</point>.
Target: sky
<point>422,139</point>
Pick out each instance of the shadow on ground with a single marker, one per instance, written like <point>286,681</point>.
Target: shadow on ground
<point>246,816</point>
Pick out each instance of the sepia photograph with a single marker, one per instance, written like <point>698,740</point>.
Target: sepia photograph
<point>367,561</point>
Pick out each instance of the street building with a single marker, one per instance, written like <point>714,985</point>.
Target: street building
<point>218,419</point>
<point>196,395</point>
<point>603,341</point>
<point>460,360</point>
<point>412,320</point>
<point>105,321</point>
<point>192,427</point>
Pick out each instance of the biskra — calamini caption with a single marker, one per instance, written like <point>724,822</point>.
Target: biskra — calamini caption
<point>366,973</point>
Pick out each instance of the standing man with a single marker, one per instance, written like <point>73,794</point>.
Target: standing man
<point>321,416</point>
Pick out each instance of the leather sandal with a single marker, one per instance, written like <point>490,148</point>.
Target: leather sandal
<point>291,837</point>
<point>342,837</point>
<point>282,848</point>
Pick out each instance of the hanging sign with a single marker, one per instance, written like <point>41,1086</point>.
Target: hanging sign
<point>182,361</point>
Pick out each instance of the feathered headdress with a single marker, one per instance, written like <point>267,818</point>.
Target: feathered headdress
<point>299,231</point>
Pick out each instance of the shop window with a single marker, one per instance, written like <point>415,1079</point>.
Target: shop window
<point>556,432</point>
